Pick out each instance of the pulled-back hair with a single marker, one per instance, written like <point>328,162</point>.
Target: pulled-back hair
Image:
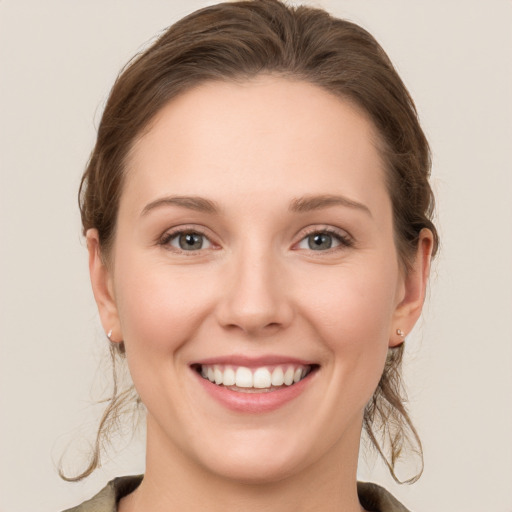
<point>236,41</point>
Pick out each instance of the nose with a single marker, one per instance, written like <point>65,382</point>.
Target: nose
<point>254,299</point>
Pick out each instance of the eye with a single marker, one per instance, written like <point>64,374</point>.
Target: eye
<point>187,241</point>
<point>323,241</point>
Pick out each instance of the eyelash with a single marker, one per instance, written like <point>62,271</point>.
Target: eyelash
<point>345,241</point>
<point>170,235</point>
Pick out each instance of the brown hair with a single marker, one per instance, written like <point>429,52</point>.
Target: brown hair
<point>237,41</point>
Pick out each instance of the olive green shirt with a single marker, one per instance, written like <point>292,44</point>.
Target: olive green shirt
<point>371,496</point>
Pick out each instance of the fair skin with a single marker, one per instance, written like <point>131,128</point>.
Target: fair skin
<point>255,230</point>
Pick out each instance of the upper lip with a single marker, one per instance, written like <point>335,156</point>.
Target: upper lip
<point>251,361</point>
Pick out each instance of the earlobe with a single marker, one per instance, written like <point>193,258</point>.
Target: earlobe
<point>409,308</point>
<point>102,287</point>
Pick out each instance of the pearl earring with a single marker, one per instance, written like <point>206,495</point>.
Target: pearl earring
<point>398,331</point>
<point>109,335</point>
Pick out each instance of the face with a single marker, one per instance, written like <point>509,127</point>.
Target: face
<point>255,248</point>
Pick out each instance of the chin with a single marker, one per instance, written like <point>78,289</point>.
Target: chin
<point>258,460</point>
<point>255,470</point>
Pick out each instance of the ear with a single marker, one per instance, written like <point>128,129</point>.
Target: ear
<point>412,291</point>
<point>102,287</point>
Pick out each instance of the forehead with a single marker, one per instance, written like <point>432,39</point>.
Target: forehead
<point>267,135</point>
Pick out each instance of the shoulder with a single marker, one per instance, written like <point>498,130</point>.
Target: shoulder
<point>372,497</point>
<point>106,500</point>
<point>375,498</point>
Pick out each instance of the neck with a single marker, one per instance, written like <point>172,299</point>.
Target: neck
<point>175,482</point>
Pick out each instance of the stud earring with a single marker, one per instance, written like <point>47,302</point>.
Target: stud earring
<point>398,331</point>
<point>109,335</point>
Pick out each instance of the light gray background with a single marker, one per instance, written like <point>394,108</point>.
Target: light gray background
<point>58,60</point>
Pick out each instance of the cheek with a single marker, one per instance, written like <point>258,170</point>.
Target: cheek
<point>352,312</point>
<point>160,307</point>
<point>353,299</point>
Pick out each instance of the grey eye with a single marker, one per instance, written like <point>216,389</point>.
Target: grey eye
<point>190,241</point>
<point>320,241</point>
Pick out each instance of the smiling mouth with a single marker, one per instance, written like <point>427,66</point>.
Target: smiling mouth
<point>262,379</point>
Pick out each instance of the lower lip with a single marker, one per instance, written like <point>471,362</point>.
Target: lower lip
<point>254,402</point>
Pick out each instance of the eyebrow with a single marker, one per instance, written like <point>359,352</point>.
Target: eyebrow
<point>299,205</point>
<point>309,203</point>
<point>199,204</point>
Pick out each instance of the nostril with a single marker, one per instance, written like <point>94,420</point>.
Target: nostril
<point>254,327</point>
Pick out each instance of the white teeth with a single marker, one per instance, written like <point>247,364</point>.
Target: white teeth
<point>262,378</point>
<point>217,373</point>
<point>288,376</point>
<point>229,377</point>
<point>258,378</point>
<point>277,377</point>
<point>243,377</point>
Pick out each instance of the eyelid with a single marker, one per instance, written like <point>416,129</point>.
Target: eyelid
<point>173,232</point>
<point>344,238</point>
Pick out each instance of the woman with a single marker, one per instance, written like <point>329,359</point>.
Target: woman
<point>258,220</point>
